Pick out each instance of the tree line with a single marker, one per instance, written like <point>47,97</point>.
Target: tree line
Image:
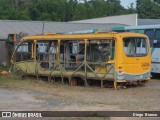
<point>70,10</point>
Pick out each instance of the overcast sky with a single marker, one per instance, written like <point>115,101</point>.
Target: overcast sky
<point>127,3</point>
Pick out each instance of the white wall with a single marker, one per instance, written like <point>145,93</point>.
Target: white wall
<point>130,19</point>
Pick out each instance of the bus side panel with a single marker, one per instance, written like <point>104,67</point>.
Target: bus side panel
<point>155,60</point>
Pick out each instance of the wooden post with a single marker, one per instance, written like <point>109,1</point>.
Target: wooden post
<point>85,61</point>
<point>58,49</point>
<point>64,55</point>
<point>35,50</point>
<point>90,51</point>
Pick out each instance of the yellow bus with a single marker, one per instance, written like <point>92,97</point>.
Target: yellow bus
<point>88,59</point>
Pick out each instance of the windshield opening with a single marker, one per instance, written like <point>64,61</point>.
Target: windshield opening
<point>135,46</point>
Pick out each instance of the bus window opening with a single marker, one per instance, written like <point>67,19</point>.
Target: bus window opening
<point>135,46</point>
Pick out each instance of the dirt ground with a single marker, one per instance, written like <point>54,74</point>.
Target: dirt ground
<point>29,95</point>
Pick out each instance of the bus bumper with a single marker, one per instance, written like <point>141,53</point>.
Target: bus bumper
<point>131,77</point>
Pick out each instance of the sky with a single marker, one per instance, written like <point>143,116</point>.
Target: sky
<point>127,3</point>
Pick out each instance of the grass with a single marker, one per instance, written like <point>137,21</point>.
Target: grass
<point>65,92</point>
<point>15,81</point>
<point>4,67</point>
<point>12,80</point>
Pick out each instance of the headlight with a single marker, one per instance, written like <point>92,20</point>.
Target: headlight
<point>120,77</point>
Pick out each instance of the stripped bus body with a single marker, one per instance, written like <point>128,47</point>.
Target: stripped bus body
<point>102,57</point>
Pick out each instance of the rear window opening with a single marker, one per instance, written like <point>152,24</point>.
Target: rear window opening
<point>135,46</point>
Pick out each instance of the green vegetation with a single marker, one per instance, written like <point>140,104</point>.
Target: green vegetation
<point>60,10</point>
<point>4,67</point>
<point>148,9</point>
<point>69,10</point>
<point>12,80</point>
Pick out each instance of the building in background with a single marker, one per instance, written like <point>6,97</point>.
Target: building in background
<point>130,19</point>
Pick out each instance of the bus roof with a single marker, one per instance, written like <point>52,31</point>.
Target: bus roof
<point>142,27</point>
<point>100,35</point>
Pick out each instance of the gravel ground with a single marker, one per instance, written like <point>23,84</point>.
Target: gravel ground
<point>68,98</point>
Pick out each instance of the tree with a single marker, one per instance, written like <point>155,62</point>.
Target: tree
<point>116,8</point>
<point>131,9</point>
<point>68,10</point>
<point>157,1</point>
<point>148,9</point>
